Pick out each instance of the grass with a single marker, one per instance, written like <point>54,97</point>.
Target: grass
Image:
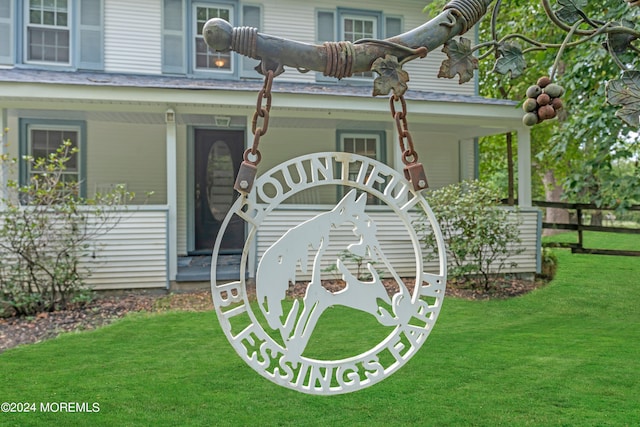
<point>564,355</point>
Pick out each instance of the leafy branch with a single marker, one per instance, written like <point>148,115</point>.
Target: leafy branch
<point>580,28</point>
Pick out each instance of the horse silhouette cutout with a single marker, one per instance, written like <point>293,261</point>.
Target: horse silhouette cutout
<point>277,269</point>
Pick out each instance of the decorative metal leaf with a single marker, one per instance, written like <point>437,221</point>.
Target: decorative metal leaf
<point>392,76</point>
<point>620,42</point>
<point>626,92</point>
<point>511,60</point>
<point>570,10</point>
<point>461,60</point>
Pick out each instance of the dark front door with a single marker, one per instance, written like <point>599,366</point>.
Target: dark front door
<point>218,154</point>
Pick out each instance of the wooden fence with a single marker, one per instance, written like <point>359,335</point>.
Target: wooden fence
<point>580,227</point>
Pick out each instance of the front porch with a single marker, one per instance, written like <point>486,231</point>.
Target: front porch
<point>198,268</point>
<point>143,132</point>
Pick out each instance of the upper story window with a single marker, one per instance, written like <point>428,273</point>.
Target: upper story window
<point>52,33</point>
<point>47,31</point>
<point>206,58</point>
<point>356,27</point>
<point>352,25</point>
<point>184,50</point>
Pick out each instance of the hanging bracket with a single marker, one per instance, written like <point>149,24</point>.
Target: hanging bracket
<point>343,59</point>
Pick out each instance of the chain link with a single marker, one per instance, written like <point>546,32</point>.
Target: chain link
<point>263,107</point>
<point>413,170</point>
<point>409,155</point>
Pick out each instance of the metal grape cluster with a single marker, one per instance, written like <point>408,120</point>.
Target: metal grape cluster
<point>543,101</point>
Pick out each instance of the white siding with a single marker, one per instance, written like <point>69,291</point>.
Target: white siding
<point>127,153</point>
<point>438,152</point>
<point>392,235</point>
<point>132,33</point>
<point>129,251</point>
<point>288,143</point>
<point>439,155</point>
<point>293,20</point>
<point>529,260</point>
<point>133,254</point>
<point>394,240</point>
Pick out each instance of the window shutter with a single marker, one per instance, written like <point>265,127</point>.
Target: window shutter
<point>325,32</point>
<point>91,35</point>
<point>392,26</point>
<point>251,17</point>
<point>6,32</point>
<point>326,23</point>
<point>173,42</point>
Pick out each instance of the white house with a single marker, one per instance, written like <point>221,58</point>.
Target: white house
<point>132,84</point>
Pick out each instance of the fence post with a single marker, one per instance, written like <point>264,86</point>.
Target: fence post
<point>579,213</point>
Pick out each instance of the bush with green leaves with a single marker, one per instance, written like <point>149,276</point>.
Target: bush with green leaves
<point>480,235</point>
<point>351,259</point>
<point>46,228</point>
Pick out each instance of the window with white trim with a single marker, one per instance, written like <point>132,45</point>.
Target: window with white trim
<point>46,140</point>
<point>352,25</point>
<point>356,27</point>
<point>47,32</point>
<point>39,138</point>
<point>184,50</point>
<point>66,34</point>
<point>206,58</point>
<point>365,144</point>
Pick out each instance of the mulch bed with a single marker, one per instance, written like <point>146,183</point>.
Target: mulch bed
<point>102,311</point>
<point>105,309</point>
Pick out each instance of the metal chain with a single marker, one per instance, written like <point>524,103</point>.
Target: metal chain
<point>248,168</point>
<point>413,170</point>
<point>409,155</point>
<point>263,107</point>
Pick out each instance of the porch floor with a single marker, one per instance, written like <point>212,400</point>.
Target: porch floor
<point>198,268</point>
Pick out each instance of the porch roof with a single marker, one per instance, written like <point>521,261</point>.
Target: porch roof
<point>96,79</point>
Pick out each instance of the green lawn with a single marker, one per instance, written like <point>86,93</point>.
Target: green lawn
<point>567,354</point>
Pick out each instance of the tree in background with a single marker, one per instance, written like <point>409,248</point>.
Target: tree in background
<point>588,154</point>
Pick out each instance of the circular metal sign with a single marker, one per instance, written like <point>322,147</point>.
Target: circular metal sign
<point>273,333</point>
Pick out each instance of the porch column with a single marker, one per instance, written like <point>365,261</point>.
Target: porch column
<point>172,194</point>
<point>397,152</point>
<point>468,159</point>
<point>252,265</point>
<point>3,150</point>
<point>524,168</point>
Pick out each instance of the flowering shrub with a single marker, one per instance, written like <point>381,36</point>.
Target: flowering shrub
<point>45,230</point>
<point>480,236</point>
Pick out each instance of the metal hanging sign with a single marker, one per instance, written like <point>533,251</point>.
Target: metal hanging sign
<point>273,333</point>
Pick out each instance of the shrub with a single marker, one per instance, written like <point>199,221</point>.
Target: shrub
<point>549,264</point>
<point>362,272</point>
<point>45,230</point>
<point>480,236</point>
